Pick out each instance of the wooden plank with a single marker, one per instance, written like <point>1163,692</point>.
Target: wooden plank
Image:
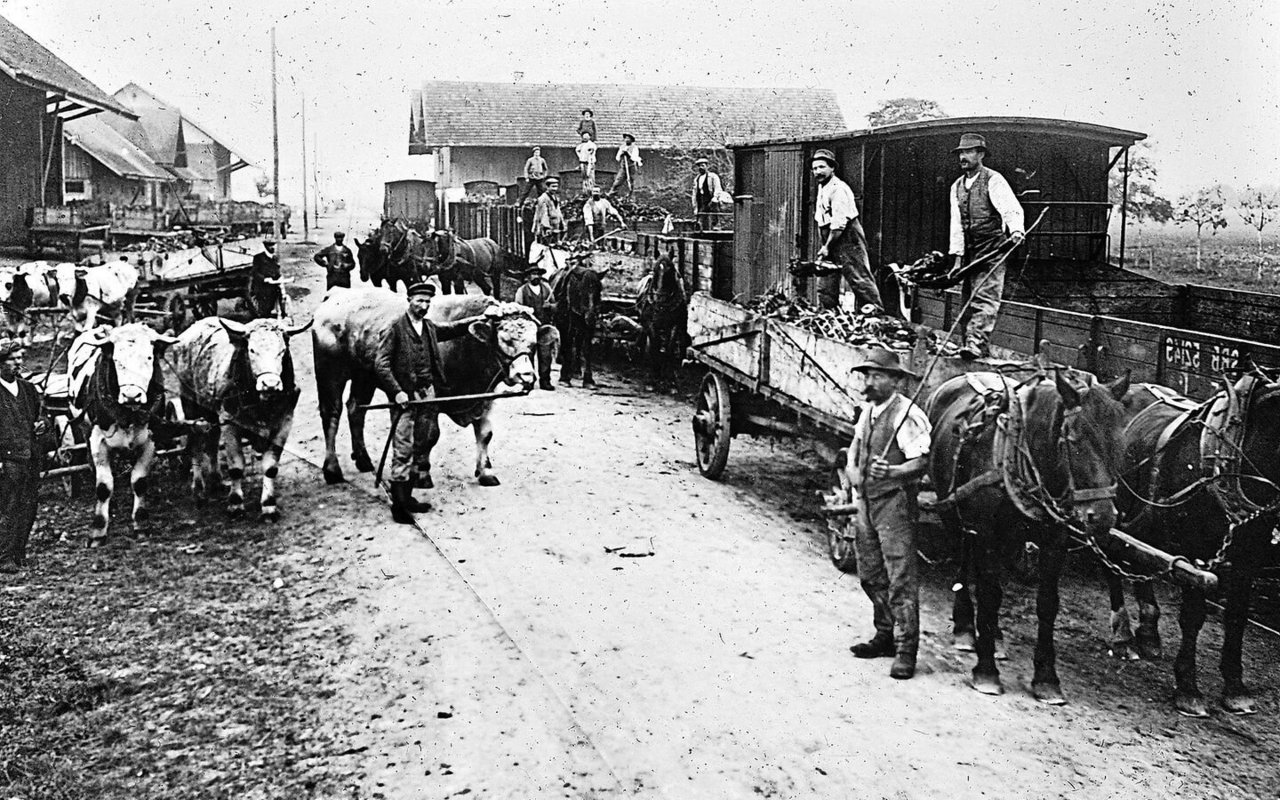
<point>814,370</point>
<point>708,315</point>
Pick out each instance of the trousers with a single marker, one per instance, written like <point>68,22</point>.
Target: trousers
<point>855,268</point>
<point>888,568</point>
<point>979,317</point>
<point>414,428</point>
<point>19,490</point>
<point>532,186</point>
<point>548,351</point>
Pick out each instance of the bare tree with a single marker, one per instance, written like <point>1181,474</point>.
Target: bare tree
<point>904,109</point>
<point>1203,209</point>
<point>1258,208</point>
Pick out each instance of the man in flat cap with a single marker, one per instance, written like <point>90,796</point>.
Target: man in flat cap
<point>986,222</point>
<point>548,219</point>
<point>888,455</point>
<point>706,187</point>
<point>535,294</point>
<point>338,261</point>
<point>19,457</point>
<point>408,367</point>
<point>535,175</point>
<point>841,238</point>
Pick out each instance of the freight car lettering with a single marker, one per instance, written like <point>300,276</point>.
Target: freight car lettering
<point>1223,357</point>
<point>1181,353</point>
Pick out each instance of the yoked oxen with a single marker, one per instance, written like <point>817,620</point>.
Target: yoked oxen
<point>1036,461</point>
<point>116,383</point>
<point>239,378</point>
<point>1202,480</point>
<point>349,324</point>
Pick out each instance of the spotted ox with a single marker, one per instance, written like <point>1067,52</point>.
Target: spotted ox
<point>116,383</point>
<point>238,377</point>
<point>95,293</point>
<point>33,284</point>
<point>349,323</point>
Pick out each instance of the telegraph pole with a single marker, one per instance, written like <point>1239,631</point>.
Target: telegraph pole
<point>306,225</point>
<point>275,142</point>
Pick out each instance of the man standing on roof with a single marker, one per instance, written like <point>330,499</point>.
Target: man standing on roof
<point>706,187</point>
<point>535,173</point>
<point>587,124</point>
<point>338,261</point>
<point>596,212</point>
<point>586,151</point>
<point>986,224</point>
<point>841,238</point>
<point>629,162</point>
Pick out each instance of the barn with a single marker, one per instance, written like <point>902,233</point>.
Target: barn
<point>39,93</point>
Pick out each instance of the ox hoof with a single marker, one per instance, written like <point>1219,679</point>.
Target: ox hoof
<point>95,542</point>
<point>1124,652</point>
<point>1190,705</point>
<point>1048,693</point>
<point>964,642</point>
<point>235,509</point>
<point>987,683</point>
<point>587,383</point>
<point>488,479</point>
<point>332,476</point>
<point>363,463</point>
<point>1150,649</point>
<point>269,515</point>
<point>1239,704</point>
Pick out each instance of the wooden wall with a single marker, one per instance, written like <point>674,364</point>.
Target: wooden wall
<point>21,118</point>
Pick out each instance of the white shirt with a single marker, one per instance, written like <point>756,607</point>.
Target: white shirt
<point>836,207</point>
<point>630,150</point>
<point>914,435</point>
<point>12,387</point>
<point>1002,197</point>
<point>586,152</point>
<point>417,325</point>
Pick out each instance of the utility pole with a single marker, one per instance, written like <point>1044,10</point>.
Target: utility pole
<point>275,142</point>
<point>315,175</point>
<point>306,225</point>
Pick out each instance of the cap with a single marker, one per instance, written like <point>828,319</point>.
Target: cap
<point>701,161</point>
<point>971,141</point>
<point>339,235</point>
<point>825,155</point>
<point>8,347</point>
<point>551,181</point>
<point>595,190</point>
<point>429,289</point>
<point>883,360</point>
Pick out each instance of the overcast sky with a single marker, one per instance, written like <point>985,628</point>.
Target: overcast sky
<point>1200,78</point>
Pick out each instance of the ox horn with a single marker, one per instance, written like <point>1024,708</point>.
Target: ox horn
<point>1070,396</point>
<point>297,329</point>
<point>99,336</point>
<point>161,340</point>
<point>234,328</point>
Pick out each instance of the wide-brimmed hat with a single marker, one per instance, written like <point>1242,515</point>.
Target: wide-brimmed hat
<point>883,360</point>
<point>535,270</point>
<point>971,141</point>
<point>700,161</point>
<point>825,155</point>
<point>429,289</point>
<point>8,347</point>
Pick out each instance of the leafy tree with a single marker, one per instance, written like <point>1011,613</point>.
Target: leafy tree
<point>1143,203</point>
<point>263,185</point>
<point>1203,209</point>
<point>905,109</point>
<point>1258,209</point>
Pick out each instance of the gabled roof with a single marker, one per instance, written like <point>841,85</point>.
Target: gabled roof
<point>468,113</point>
<point>104,143</point>
<point>158,125</point>
<point>30,63</point>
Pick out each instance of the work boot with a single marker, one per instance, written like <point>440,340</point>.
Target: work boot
<point>546,385</point>
<point>402,497</point>
<point>904,666</point>
<point>878,646</point>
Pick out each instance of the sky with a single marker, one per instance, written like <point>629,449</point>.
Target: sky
<point>1200,79</point>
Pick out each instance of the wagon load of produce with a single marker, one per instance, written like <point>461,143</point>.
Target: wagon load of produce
<point>865,328</point>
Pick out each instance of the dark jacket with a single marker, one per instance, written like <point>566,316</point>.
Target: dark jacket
<point>338,262</point>
<point>410,363</point>
<point>587,126</point>
<point>264,266</point>
<point>17,423</point>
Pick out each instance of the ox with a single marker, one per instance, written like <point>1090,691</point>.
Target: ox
<point>116,383</point>
<point>104,291</point>
<point>34,284</point>
<point>349,323</point>
<point>238,377</point>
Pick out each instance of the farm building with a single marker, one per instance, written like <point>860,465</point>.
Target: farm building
<point>99,163</point>
<point>484,131</point>
<point>39,92</point>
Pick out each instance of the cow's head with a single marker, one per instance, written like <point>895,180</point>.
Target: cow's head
<point>69,287</point>
<point>132,350</point>
<point>511,332</point>
<point>266,344</point>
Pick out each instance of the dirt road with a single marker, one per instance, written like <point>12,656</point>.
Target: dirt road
<point>608,623</point>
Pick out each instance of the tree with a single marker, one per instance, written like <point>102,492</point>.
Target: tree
<point>1258,209</point>
<point>904,109</point>
<point>1143,203</point>
<point>263,185</point>
<point>1204,208</point>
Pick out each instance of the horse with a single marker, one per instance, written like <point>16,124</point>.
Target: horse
<point>1036,461</point>
<point>1203,481</point>
<point>577,293</point>
<point>481,261</point>
<point>662,306</point>
<point>394,253</point>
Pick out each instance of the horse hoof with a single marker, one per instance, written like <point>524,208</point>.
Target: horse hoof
<point>332,476</point>
<point>964,642</point>
<point>588,384</point>
<point>363,464</point>
<point>1048,693</point>
<point>423,481</point>
<point>1191,705</point>
<point>1239,704</point>
<point>95,542</point>
<point>987,683</point>
<point>235,509</point>
<point>489,480</point>
<point>1150,651</point>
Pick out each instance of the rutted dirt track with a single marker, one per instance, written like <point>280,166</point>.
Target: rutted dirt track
<point>608,623</point>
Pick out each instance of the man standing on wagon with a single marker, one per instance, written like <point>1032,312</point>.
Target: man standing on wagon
<point>888,455</point>
<point>986,222</point>
<point>843,241</point>
<point>19,457</point>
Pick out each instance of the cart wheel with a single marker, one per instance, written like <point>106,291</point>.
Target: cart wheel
<point>711,425</point>
<point>840,530</point>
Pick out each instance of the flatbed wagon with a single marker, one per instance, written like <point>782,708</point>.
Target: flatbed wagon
<point>195,279</point>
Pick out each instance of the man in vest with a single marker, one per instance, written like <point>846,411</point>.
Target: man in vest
<point>706,186</point>
<point>548,219</point>
<point>986,219</point>
<point>843,241</point>
<point>19,457</point>
<point>338,261</point>
<point>535,294</point>
<point>596,212</point>
<point>889,454</point>
<point>535,172</point>
<point>629,163</point>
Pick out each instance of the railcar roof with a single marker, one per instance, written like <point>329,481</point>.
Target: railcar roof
<point>1116,137</point>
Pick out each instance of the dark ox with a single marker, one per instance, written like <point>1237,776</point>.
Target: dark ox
<point>238,378</point>
<point>1015,463</point>
<point>350,323</point>
<point>116,383</point>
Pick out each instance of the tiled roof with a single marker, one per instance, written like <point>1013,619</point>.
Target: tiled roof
<point>99,139</point>
<point>465,113</point>
<point>156,130</point>
<point>29,62</point>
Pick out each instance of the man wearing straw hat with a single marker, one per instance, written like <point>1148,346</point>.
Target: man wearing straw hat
<point>843,241</point>
<point>19,457</point>
<point>986,217</point>
<point>535,295</point>
<point>888,455</point>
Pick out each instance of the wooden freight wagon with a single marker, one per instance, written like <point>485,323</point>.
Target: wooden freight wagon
<point>412,200</point>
